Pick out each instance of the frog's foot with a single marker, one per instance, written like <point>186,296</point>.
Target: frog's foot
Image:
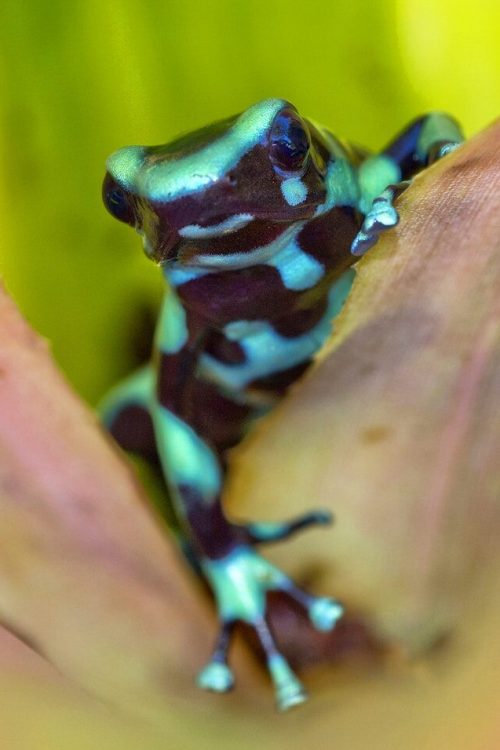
<point>217,675</point>
<point>381,216</point>
<point>240,582</point>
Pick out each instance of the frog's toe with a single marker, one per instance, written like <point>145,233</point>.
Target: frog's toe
<point>324,613</point>
<point>216,676</point>
<point>277,531</point>
<point>362,243</point>
<point>289,690</point>
<point>381,216</point>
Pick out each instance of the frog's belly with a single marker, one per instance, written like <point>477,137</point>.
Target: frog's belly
<point>265,351</point>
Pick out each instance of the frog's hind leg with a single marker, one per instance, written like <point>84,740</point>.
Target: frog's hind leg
<point>125,412</point>
<point>195,426</point>
<point>240,581</point>
<point>386,175</point>
<point>218,676</point>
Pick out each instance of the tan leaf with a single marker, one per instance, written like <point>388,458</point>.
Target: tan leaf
<point>86,575</point>
<point>397,430</point>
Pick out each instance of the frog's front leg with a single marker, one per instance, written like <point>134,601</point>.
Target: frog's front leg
<point>384,176</point>
<point>194,425</point>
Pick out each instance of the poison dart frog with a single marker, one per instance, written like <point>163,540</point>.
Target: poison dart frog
<point>255,222</point>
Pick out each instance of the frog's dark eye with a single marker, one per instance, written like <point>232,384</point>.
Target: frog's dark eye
<point>117,201</point>
<point>289,141</point>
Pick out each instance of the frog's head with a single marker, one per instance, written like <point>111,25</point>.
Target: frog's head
<point>230,188</point>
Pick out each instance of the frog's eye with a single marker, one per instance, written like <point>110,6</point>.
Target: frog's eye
<point>289,141</point>
<point>117,201</point>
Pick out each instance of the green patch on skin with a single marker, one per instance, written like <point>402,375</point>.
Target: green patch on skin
<point>374,175</point>
<point>294,191</point>
<point>437,127</point>
<point>136,390</point>
<point>240,581</point>
<point>232,224</point>
<point>324,613</point>
<point>215,676</point>
<point>297,269</point>
<point>169,179</point>
<point>187,459</point>
<point>341,184</point>
<point>125,164</point>
<point>180,275</point>
<point>172,332</point>
<point>266,531</point>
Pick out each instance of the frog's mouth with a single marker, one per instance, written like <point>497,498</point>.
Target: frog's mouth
<point>195,255</point>
<point>165,251</point>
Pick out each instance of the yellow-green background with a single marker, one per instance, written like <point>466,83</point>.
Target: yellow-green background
<point>79,79</point>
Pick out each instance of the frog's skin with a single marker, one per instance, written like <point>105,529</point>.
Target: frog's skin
<point>255,222</point>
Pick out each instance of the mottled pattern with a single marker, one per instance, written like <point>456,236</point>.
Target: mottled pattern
<point>218,419</point>
<point>255,221</point>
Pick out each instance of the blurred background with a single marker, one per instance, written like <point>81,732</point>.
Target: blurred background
<point>80,79</point>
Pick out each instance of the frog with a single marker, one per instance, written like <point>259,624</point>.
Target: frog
<point>255,222</point>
